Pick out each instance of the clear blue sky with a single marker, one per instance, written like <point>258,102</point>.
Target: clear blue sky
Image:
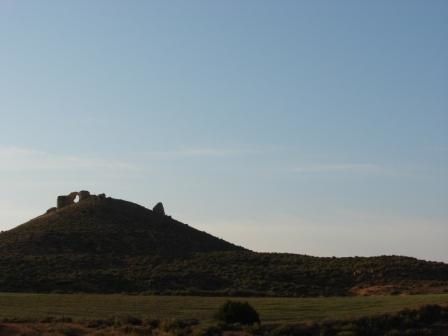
<point>317,127</point>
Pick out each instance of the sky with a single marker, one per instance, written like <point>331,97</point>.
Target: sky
<point>311,127</point>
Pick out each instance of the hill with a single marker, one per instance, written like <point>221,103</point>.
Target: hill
<point>107,245</point>
<point>99,225</point>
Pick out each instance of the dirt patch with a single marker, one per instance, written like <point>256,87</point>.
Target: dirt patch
<point>419,288</point>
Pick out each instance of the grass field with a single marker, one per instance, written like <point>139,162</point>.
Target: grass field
<point>284,310</point>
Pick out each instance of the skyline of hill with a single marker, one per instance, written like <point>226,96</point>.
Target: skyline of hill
<point>107,225</point>
<point>107,245</point>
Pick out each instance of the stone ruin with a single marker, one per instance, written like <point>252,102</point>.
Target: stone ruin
<point>66,200</point>
<point>70,199</point>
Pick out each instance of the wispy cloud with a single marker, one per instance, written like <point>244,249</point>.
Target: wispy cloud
<point>25,159</point>
<point>364,168</point>
<point>204,152</point>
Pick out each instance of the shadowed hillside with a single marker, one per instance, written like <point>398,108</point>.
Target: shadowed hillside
<point>107,226</point>
<point>107,245</point>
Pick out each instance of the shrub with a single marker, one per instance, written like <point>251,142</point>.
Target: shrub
<point>208,331</point>
<point>153,323</point>
<point>70,331</point>
<point>430,313</point>
<point>237,312</point>
<point>127,320</point>
<point>179,327</point>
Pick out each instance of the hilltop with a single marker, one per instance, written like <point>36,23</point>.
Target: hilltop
<point>105,245</point>
<point>98,225</point>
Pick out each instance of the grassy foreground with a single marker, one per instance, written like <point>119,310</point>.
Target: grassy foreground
<point>279,310</point>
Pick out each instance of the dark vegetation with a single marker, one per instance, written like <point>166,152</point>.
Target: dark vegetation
<point>219,274</point>
<point>114,246</point>
<point>271,309</point>
<point>427,320</point>
<point>431,320</point>
<point>237,312</point>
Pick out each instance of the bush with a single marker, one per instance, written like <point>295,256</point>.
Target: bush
<point>208,331</point>
<point>430,313</point>
<point>237,312</point>
<point>179,327</point>
<point>127,320</point>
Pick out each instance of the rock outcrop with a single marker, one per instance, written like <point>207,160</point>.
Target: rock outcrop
<point>53,209</point>
<point>158,208</point>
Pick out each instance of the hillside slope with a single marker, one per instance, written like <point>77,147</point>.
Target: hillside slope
<point>108,246</point>
<point>107,226</point>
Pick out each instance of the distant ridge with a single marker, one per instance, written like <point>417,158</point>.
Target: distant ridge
<point>106,245</point>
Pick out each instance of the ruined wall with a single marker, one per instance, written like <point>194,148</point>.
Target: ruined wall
<point>83,194</point>
<point>66,200</point>
<point>62,201</point>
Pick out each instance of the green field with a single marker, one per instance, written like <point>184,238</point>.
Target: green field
<point>284,310</point>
